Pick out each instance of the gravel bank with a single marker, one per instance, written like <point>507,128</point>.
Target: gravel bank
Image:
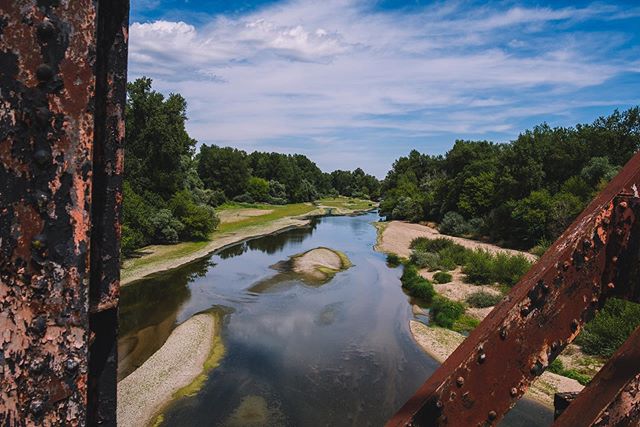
<point>178,363</point>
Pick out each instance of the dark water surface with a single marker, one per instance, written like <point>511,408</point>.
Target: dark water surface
<point>339,354</point>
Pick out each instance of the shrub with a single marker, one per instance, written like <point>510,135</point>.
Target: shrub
<point>453,256</point>
<point>482,299</point>
<point>454,224</point>
<point>428,260</point>
<point>166,227</point>
<point>465,324</point>
<point>478,267</point>
<point>199,220</point>
<point>442,277</point>
<point>431,245</point>
<point>407,208</point>
<point>393,260</point>
<point>131,239</point>
<point>610,328</point>
<point>415,284</point>
<point>508,269</point>
<point>244,198</point>
<point>445,312</point>
<point>557,367</point>
<point>542,246</point>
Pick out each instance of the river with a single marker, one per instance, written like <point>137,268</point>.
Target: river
<point>338,354</point>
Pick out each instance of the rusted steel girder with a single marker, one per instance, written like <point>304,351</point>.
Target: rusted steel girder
<point>595,258</point>
<point>612,398</point>
<point>62,94</point>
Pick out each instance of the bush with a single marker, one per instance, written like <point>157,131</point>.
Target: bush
<point>542,246</point>
<point>445,312</point>
<point>407,208</point>
<point>393,260</point>
<point>258,188</point>
<point>442,277</point>
<point>483,299</point>
<point>454,224</point>
<point>610,328</point>
<point>479,267</point>
<point>199,220</point>
<point>416,285</point>
<point>428,260</point>
<point>508,269</point>
<point>558,368</point>
<point>431,245</point>
<point>465,324</point>
<point>131,239</point>
<point>244,198</point>
<point>166,227</point>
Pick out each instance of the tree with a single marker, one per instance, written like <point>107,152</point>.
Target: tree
<point>258,188</point>
<point>156,138</point>
<point>225,169</point>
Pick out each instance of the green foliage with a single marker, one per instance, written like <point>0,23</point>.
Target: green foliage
<point>445,312</point>
<point>479,267</point>
<point>482,267</point>
<point>393,260</point>
<point>416,285</point>
<point>454,224</point>
<point>199,220</point>
<point>157,140</point>
<point>508,269</point>
<point>610,328</point>
<point>482,299</point>
<point>465,324</point>
<point>408,209</point>
<point>167,228</point>
<point>258,188</point>
<point>442,277</point>
<point>428,260</point>
<point>557,367</point>
<point>516,193</point>
<point>542,246</point>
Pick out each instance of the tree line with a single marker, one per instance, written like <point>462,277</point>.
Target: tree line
<point>521,194</point>
<point>171,190</point>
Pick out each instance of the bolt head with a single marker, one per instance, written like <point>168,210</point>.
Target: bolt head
<point>42,157</point>
<point>460,381</point>
<point>46,30</point>
<point>36,407</point>
<point>513,392</point>
<point>44,72</point>
<point>71,365</point>
<point>482,357</point>
<point>492,415</point>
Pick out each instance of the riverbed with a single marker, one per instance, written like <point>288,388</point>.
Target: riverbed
<point>296,354</point>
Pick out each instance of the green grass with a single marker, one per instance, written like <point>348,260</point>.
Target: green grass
<point>465,324</point>
<point>179,250</point>
<point>558,368</point>
<point>279,212</point>
<point>346,203</point>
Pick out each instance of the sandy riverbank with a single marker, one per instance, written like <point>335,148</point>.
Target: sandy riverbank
<point>439,343</point>
<point>396,236</point>
<point>320,263</point>
<point>178,368</point>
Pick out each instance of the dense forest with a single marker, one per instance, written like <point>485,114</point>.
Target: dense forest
<point>171,191</point>
<point>523,193</point>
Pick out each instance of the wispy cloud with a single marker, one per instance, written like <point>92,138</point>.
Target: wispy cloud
<point>297,74</point>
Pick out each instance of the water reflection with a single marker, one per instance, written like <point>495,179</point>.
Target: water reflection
<point>144,330</point>
<point>339,354</point>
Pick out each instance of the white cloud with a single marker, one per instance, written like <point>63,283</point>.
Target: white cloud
<point>339,71</point>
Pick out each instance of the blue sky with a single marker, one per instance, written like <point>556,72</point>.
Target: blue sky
<point>354,83</point>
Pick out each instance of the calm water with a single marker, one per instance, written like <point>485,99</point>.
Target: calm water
<point>339,354</point>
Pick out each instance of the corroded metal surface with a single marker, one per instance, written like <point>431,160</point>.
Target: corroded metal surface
<point>612,398</point>
<point>48,54</point>
<point>596,258</point>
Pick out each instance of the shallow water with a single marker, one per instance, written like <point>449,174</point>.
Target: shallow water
<point>338,354</point>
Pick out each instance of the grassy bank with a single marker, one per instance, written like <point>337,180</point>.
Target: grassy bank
<point>263,219</point>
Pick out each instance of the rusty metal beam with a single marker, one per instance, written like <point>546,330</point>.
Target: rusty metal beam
<point>62,83</point>
<point>612,398</point>
<point>595,258</point>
